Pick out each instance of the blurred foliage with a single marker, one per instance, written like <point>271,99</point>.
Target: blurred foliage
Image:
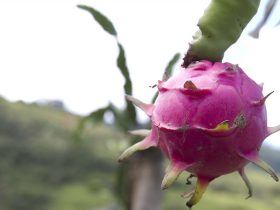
<point>42,168</point>
<point>270,7</point>
<point>39,160</point>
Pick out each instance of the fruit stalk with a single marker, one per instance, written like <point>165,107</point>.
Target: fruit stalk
<point>220,26</point>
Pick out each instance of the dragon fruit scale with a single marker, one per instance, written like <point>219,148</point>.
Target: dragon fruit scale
<point>209,120</point>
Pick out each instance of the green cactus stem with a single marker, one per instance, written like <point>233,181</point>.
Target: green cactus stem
<point>220,26</point>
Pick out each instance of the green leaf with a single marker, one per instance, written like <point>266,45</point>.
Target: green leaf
<point>170,66</point>
<point>104,22</point>
<point>123,119</point>
<point>130,115</point>
<point>121,62</point>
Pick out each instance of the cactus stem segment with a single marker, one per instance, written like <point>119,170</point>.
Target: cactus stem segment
<point>220,26</point>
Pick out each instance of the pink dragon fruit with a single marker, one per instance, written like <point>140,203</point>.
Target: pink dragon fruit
<point>209,120</point>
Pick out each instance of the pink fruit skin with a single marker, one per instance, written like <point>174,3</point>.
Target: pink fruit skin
<point>183,116</point>
<point>209,120</point>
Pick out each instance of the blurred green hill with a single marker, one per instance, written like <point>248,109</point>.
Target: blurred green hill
<point>42,167</point>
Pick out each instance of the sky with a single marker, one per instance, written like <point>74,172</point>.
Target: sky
<point>50,49</point>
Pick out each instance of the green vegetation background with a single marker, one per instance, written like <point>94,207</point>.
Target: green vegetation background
<point>43,168</point>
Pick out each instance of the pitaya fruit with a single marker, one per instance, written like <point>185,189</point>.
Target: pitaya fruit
<point>209,120</point>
